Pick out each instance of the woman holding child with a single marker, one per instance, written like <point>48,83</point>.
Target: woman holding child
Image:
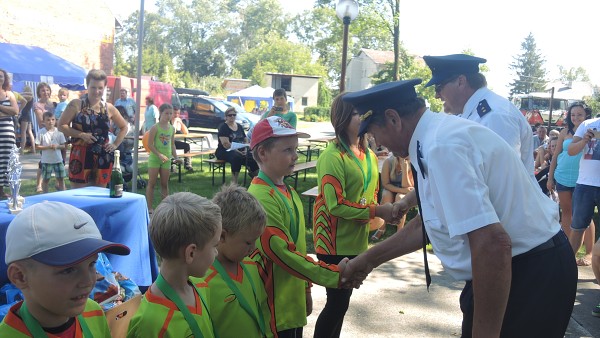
<point>348,180</point>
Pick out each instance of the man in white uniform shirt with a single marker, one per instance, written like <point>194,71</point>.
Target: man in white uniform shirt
<point>500,235</point>
<point>464,91</point>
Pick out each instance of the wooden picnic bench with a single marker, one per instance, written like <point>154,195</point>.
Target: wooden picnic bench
<point>312,194</point>
<point>302,167</point>
<point>191,155</point>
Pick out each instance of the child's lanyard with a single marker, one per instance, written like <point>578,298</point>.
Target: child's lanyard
<point>243,302</point>
<point>366,178</point>
<point>34,327</point>
<point>171,295</point>
<point>295,223</point>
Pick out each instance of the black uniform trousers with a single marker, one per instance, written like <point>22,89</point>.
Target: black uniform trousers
<point>542,292</point>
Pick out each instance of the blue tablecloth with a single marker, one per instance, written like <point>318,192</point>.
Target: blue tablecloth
<point>122,220</point>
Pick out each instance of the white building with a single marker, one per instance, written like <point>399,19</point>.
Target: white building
<point>363,66</point>
<point>303,88</point>
<point>572,90</point>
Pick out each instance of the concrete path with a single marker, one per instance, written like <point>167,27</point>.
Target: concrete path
<point>394,302</point>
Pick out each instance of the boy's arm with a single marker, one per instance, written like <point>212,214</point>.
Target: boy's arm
<point>277,245</point>
<point>38,143</point>
<point>62,141</point>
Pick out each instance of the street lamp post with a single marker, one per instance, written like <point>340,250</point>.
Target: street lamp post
<point>346,10</point>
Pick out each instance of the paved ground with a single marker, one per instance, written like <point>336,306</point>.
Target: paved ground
<point>394,302</point>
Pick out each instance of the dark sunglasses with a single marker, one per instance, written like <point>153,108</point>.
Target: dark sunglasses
<point>230,115</point>
<point>440,87</point>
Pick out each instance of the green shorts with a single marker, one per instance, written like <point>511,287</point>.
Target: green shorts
<point>155,162</point>
<point>49,168</point>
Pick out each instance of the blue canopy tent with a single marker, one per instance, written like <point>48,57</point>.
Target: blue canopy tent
<point>35,64</point>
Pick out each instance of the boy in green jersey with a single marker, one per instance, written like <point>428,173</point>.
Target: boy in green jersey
<point>51,252</point>
<point>185,230</point>
<point>238,305</point>
<point>288,271</point>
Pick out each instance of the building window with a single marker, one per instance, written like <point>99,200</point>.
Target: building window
<point>305,101</point>
<point>286,83</point>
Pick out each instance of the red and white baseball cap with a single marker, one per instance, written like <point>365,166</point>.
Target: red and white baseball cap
<point>273,126</point>
<point>56,234</point>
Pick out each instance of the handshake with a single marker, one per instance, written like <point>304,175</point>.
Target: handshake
<point>354,272</point>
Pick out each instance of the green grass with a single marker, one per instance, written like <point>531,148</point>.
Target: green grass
<point>199,182</point>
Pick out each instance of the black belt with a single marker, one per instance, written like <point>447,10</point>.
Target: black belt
<point>556,240</point>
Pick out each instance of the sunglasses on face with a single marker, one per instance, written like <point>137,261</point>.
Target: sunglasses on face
<point>230,115</point>
<point>440,87</point>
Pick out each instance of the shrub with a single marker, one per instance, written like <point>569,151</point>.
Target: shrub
<point>321,113</point>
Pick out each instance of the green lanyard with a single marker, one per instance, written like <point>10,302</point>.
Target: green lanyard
<point>367,177</point>
<point>243,302</point>
<point>34,327</point>
<point>171,295</point>
<point>295,221</point>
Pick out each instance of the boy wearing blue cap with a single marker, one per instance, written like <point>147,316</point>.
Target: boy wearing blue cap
<point>502,237</point>
<point>463,89</point>
<point>51,252</point>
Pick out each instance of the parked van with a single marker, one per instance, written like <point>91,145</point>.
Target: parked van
<point>206,112</point>
<point>161,92</point>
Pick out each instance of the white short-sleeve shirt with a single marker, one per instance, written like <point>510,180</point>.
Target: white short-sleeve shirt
<point>469,178</point>
<point>589,165</point>
<point>501,116</point>
<point>47,138</point>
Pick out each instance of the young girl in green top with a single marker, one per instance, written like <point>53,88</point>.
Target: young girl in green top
<point>162,149</point>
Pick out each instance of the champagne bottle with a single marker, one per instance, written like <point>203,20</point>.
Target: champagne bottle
<point>116,178</point>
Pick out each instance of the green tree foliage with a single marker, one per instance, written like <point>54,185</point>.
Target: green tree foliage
<point>251,22</point>
<point>529,67</point>
<point>573,74</point>
<point>277,55</point>
<point>322,31</point>
<point>594,103</point>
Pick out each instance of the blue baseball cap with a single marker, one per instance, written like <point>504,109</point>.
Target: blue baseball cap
<point>447,66</point>
<point>375,100</point>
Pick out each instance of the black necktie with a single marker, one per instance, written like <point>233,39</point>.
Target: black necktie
<point>416,183</point>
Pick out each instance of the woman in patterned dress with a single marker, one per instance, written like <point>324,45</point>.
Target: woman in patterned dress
<point>8,109</point>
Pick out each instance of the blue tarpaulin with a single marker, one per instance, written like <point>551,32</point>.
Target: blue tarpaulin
<point>35,64</point>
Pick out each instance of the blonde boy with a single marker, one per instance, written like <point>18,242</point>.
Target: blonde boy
<point>51,142</point>
<point>288,270</point>
<point>185,230</point>
<point>63,95</point>
<point>51,252</point>
<point>233,272</point>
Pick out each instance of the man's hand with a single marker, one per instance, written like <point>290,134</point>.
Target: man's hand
<point>400,209</point>
<point>385,211</point>
<point>355,272</point>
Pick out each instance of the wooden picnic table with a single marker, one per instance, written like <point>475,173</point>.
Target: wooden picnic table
<point>325,139</point>
<point>192,137</point>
